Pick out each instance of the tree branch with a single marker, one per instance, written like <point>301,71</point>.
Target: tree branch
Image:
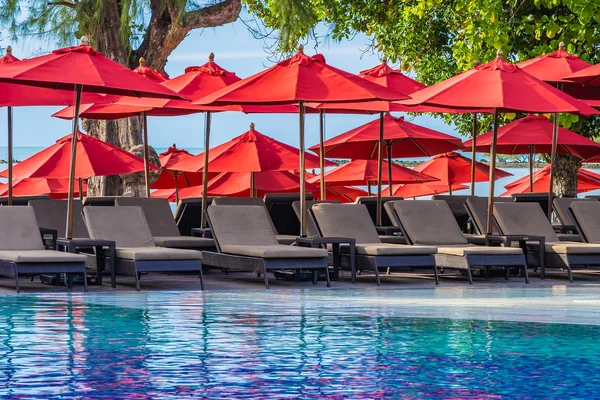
<point>61,3</point>
<point>214,15</point>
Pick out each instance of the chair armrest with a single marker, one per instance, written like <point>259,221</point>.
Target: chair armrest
<point>388,230</point>
<point>202,232</point>
<point>314,241</point>
<point>51,232</point>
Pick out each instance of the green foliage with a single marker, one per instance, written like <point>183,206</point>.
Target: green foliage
<point>439,38</point>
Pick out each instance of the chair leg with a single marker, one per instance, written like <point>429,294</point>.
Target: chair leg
<point>137,281</point>
<point>377,275</point>
<point>201,279</point>
<point>266,276</point>
<point>70,281</point>
<point>525,273</point>
<point>570,273</point>
<point>85,283</point>
<point>435,274</point>
<point>316,276</point>
<point>17,280</point>
<point>469,275</point>
<point>327,278</point>
<point>506,273</point>
<point>387,272</point>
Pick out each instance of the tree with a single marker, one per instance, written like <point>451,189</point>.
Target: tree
<point>124,30</point>
<point>439,38</point>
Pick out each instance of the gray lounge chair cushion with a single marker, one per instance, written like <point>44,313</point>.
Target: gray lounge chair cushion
<point>392,239</point>
<point>312,230</point>
<point>569,237</point>
<point>286,239</point>
<point>388,249</point>
<point>561,206</point>
<point>243,201</point>
<point>52,214</point>
<point>346,220</point>
<point>572,248</point>
<point>523,219</point>
<point>587,214</point>
<point>19,229</point>
<point>184,242</point>
<point>158,214</point>
<point>157,254</point>
<point>274,251</point>
<point>126,226</point>
<point>41,256</point>
<point>241,225</point>
<point>475,239</point>
<point>478,250</point>
<point>429,222</point>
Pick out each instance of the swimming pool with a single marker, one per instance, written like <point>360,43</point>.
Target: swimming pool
<point>444,343</point>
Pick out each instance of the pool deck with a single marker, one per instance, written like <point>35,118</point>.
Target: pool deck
<point>216,280</point>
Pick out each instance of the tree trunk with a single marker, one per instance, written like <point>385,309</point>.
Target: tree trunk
<point>565,175</point>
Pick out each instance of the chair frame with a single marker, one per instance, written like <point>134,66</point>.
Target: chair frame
<point>258,265</point>
<point>129,267</point>
<point>14,269</point>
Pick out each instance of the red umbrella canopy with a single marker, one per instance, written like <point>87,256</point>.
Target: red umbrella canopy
<point>422,189</point>
<point>500,85</point>
<point>300,78</point>
<point>237,184</point>
<point>17,95</point>
<point>166,179</point>
<point>452,168</point>
<point>361,172</point>
<point>94,158</point>
<point>56,188</point>
<point>82,65</point>
<point>536,132</point>
<point>589,76</point>
<point>586,182</point>
<point>407,140</point>
<point>148,72</point>
<point>249,152</point>
<point>553,67</point>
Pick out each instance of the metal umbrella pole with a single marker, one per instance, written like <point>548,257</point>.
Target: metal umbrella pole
<point>490,221</point>
<point>176,176</point>
<point>146,154</point>
<point>322,153</point>
<point>205,169</point>
<point>552,161</point>
<point>69,227</point>
<point>379,168</point>
<point>473,153</point>
<point>530,168</point>
<point>388,148</point>
<point>10,154</point>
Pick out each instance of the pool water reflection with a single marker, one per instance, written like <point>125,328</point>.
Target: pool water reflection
<point>281,345</point>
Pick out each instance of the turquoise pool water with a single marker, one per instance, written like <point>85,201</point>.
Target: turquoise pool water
<point>453,343</point>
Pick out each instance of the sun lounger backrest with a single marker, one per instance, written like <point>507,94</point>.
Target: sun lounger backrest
<point>312,230</point>
<point>429,222</point>
<point>561,208</point>
<point>587,214</point>
<point>523,219</point>
<point>158,214</point>
<point>540,198</point>
<point>127,226</point>
<point>241,225</point>
<point>104,201</point>
<point>457,206</point>
<point>388,207</point>
<point>23,200</point>
<point>19,229</point>
<point>282,213</point>
<point>52,214</point>
<point>188,214</point>
<point>243,201</point>
<point>371,204</point>
<point>477,209</point>
<point>346,220</point>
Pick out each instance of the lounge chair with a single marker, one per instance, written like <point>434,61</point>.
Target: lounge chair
<point>246,242</point>
<point>477,209</point>
<point>540,198</point>
<point>22,250</point>
<point>22,200</point>
<point>255,201</point>
<point>457,206</point>
<point>586,217</point>
<point>312,230</point>
<point>188,214</point>
<point>52,214</point>
<point>431,222</point>
<point>103,201</point>
<point>162,224</point>
<point>353,221</point>
<point>529,219</point>
<point>136,250</point>
<point>279,206</point>
<point>371,203</point>
<point>561,207</point>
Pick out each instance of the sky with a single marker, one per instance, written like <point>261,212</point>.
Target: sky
<point>236,50</point>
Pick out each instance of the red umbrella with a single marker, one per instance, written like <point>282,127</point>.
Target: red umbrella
<point>81,68</point>
<point>586,182</point>
<point>452,168</point>
<point>94,158</point>
<point>363,172</point>
<point>422,189</point>
<point>170,178</point>
<point>249,152</point>
<point>249,184</point>
<point>504,87</point>
<point>300,79</point>
<point>589,76</point>
<point>55,187</point>
<point>533,135</point>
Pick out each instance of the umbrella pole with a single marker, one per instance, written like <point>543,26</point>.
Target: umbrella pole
<point>369,188</point>
<point>388,147</point>
<point>10,154</point>
<point>80,182</point>
<point>205,169</point>
<point>490,221</point>
<point>146,154</point>
<point>176,176</point>
<point>69,227</point>
<point>531,169</point>
<point>252,185</point>
<point>552,162</point>
<point>450,190</point>
<point>302,173</point>
<point>474,144</point>
<point>322,153</point>
<point>379,168</point>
